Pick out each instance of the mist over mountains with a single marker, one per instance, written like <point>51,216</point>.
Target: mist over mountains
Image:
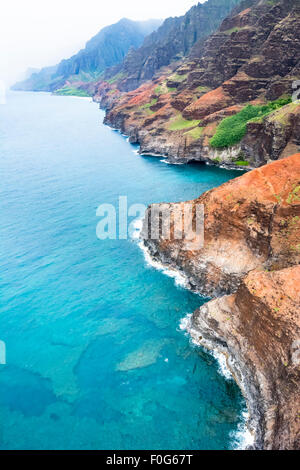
<point>133,50</point>
<point>106,49</point>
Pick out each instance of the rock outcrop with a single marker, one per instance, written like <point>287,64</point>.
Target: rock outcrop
<point>258,329</point>
<point>250,261</point>
<point>250,222</point>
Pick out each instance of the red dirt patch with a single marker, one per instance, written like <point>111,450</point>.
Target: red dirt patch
<point>209,103</point>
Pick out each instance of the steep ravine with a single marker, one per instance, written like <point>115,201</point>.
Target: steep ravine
<point>250,262</point>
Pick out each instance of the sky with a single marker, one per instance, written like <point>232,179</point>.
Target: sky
<point>37,33</point>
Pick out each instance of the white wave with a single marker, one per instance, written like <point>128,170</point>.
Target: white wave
<point>172,163</point>
<point>179,279</point>
<point>186,325</point>
<point>222,363</point>
<point>185,322</point>
<point>242,438</point>
<point>153,155</point>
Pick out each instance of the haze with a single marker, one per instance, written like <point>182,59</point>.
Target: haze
<point>36,34</point>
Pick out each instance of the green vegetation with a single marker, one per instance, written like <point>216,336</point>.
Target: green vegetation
<point>163,89</point>
<point>159,90</point>
<point>71,91</point>
<point>180,123</point>
<point>178,78</point>
<point>242,163</point>
<point>294,195</point>
<point>195,133</point>
<point>232,129</point>
<point>116,77</point>
<point>282,116</point>
<point>86,76</point>
<point>112,92</point>
<point>148,105</point>
<point>295,248</point>
<point>232,30</point>
<point>203,89</point>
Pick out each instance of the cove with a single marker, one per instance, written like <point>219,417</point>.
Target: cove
<point>95,356</point>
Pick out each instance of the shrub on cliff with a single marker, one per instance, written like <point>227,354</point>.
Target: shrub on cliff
<point>71,91</point>
<point>232,129</point>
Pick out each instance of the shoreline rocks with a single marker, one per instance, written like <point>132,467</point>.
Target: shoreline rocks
<point>262,344</point>
<point>250,262</point>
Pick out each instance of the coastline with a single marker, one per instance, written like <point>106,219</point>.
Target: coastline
<point>230,370</point>
<point>252,430</point>
<point>167,159</point>
<point>229,365</point>
<point>251,272</point>
<point>244,436</point>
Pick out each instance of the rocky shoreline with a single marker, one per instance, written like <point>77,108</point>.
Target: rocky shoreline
<point>230,102</point>
<point>250,389</point>
<point>219,324</point>
<point>172,154</point>
<point>203,335</point>
<point>252,225</point>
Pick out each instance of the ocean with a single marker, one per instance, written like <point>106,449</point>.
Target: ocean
<point>95,357</point>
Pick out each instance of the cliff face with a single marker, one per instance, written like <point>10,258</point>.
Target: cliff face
<point>106,49</point>
<point>258,329</point>
<point>173,40</point>
<point>245,72</point>
<point>251,222</point>
<point>251,257</point>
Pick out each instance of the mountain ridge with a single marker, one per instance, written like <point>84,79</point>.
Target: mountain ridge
<point>105,49</point>
<point>172,40</point>
<point>229,101</point>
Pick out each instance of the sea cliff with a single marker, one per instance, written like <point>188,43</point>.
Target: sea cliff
<point>233,101</point>
<point>250,263</point>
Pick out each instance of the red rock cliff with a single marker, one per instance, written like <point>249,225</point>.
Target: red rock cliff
<point>252,252</point>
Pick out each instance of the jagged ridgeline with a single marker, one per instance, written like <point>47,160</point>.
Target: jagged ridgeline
<point>172,41</point>
<point>131,52</point>
<point>106,49</point>
<point>232,100</point>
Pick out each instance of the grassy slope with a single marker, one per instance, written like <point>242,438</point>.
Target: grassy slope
<point>232,129</point>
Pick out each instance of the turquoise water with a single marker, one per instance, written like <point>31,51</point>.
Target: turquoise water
<point>95,356</point>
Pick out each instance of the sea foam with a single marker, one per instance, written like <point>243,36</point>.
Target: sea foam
<point>179,279</point>
<point>242,438</point>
